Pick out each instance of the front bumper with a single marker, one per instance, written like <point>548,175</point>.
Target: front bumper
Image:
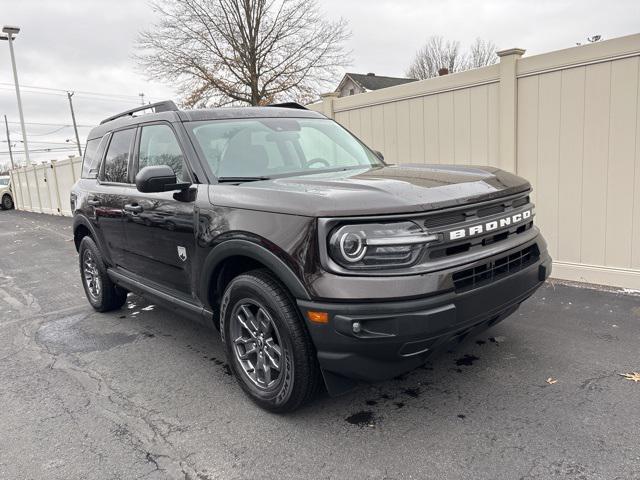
<point>397,336</point>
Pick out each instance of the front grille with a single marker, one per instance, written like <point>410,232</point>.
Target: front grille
<point>484,274</point>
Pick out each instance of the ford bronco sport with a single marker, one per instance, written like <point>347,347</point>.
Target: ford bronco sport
<point>316,260</point>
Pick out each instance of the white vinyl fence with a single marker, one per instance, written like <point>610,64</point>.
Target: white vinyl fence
<point>45,188</point>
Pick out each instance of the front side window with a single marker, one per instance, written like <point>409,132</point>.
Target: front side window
<point>159,146</point>
<point>116,161</point>
<point>276,147</point>
<point>4,181</point>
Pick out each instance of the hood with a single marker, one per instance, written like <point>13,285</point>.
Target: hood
<point>372,191</point>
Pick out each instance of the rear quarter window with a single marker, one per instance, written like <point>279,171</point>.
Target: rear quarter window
<point>91,159</point>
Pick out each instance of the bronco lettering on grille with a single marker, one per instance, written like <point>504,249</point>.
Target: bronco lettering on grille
<point>490,226</point>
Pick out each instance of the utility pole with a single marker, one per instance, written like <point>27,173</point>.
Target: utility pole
<point>6,124</point>
<point>10,32</point>
<point>73,118</point>
<point>141,95</point>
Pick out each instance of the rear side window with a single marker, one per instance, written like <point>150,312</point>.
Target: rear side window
<point>91,160</point>
<point>116,162</point>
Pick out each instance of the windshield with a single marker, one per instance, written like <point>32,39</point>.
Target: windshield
<point>271,147</point>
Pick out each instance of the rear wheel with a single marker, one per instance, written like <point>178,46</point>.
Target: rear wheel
<point>7,202</point>
<point>266,343</point>
<point>102,293</point>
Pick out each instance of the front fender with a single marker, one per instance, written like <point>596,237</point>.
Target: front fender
<point>246,248</point>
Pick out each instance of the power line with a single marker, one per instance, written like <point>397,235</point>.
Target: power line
<point>83,92</point>
<point>51,124</point>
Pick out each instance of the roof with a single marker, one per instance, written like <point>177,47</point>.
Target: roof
<point>371,81</point>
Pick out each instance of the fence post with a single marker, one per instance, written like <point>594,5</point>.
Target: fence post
<point>35,174</point>
<point>57,187</point>
<point>327,103</point>
<point>508,113</point>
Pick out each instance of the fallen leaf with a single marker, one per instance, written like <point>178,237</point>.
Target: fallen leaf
<point>551,380</point>
<point>635,376</point>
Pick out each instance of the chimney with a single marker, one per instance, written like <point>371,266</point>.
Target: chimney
<point>443,71</point>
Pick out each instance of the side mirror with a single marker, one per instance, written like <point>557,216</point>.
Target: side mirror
<point>379,154</point>
<point>158,178</point>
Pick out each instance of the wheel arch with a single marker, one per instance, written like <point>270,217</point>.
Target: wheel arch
<point>236,256</point>
<point>82,227</point>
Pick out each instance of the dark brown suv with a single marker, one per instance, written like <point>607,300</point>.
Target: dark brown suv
<point>318,262</point>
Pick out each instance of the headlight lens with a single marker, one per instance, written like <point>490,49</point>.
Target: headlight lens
<point>378,245</point>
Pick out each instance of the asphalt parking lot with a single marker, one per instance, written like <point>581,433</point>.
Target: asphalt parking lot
<point>142,393</point>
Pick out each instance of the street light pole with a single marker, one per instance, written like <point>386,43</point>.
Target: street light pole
<point>73,118</point>
<point>10,32</point>
<point>6,124</point>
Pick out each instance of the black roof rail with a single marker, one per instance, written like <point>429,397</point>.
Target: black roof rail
<point>165,106</point>
<point>288,105</point>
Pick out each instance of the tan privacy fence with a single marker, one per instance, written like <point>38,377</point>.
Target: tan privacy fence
<point>568,121</point>
<point>45,188</point>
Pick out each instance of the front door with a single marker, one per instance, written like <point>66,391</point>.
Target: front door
<point>159,227</point>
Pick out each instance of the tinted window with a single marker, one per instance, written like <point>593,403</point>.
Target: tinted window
<point>158,146</point>
<point>117,159</point>
<point>91,159</point>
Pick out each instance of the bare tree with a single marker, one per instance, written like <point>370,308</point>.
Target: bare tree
<point>481,54</point>
<point>437,54</point>
<point>221,52</point>
<point>434,55</point>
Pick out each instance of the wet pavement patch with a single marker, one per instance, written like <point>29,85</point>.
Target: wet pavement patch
<point>70,335</point>
<point>466,360</point>
<point>480,342</point>
<point>462,416</point>
<point>362,418</point>
<point>371,402</point>
<point>399,404</point>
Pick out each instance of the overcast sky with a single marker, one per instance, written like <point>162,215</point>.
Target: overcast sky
<point>86,46</point>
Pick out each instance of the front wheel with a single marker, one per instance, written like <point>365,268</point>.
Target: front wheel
<point>266,343</point>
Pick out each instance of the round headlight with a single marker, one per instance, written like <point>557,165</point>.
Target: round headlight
<point>352,246</point>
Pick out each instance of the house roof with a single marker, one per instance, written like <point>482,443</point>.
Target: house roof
<point>370,81</point>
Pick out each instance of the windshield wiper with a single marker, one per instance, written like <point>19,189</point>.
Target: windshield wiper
<point>240,179</point>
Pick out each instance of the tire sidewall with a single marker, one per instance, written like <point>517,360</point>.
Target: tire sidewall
<point>242,288</point>
<point>88,244</point>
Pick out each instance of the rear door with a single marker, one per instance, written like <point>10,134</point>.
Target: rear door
<point>159,227</point>
<point>108,197</point>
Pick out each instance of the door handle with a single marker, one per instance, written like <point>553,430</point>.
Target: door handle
<point>133,207</point>
<point>93,201</point>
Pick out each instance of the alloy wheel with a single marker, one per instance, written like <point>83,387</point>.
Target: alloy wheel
<point>91,275</point>
<point>257,344</point>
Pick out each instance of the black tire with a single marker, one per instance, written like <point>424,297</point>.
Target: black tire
<point>299,375</point>
<point>7,202</point>
<point>108,296</point>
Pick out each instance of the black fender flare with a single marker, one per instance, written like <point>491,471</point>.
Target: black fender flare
<point>246,248</point>
<point>80,219</point>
